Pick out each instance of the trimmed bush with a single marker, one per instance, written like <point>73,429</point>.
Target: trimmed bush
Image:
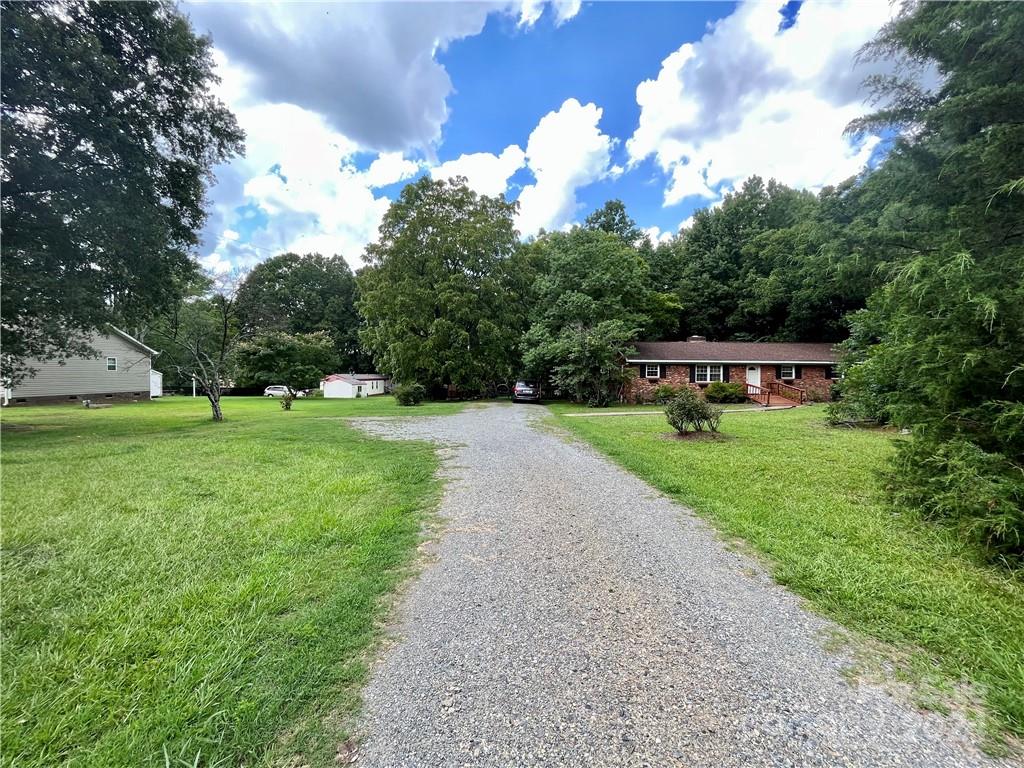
<point>689,412</point>
<point>409,394</point>
<point>663,393</point>
<point>725,392</point>
<point>286,401</point>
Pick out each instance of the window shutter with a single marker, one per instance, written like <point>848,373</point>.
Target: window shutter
<point>643,370</point>
<point>662,371</point>
<point>693,373</point>
<point>828,371</point>
<point>725,372</point>
<point>799,371</point>
<point>778,372</point>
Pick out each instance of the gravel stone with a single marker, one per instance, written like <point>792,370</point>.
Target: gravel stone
<point>571,615</point>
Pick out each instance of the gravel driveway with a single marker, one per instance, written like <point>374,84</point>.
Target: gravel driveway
<point>570,615</point>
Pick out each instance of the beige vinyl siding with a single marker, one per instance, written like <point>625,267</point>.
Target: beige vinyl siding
<point>89,376</point>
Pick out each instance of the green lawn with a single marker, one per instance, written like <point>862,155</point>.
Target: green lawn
<point>802,494</point>
<point>174,585</point>
<point>616,408</point>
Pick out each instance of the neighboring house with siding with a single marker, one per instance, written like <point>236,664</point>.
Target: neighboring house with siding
<point>355,385</point>
<point>772,372</point>
<point>123,370</point>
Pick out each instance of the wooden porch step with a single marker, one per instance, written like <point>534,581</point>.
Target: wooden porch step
<point>783,401</point>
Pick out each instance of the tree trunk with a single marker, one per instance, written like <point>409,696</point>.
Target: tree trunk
<point>218,415</point>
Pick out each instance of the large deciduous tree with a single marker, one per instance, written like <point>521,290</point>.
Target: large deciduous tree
<point>442,292</point>
<point>201,335</point>
<point>592,300</point>
<point>299,361</point>
<point>110,130</point>
<point>612,217</point>
<point>940,348</point>
<point>296,294</point>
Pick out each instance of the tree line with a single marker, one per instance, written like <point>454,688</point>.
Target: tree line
<point>916,266</point>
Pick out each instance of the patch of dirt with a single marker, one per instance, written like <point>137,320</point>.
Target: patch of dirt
<point>696,437</point>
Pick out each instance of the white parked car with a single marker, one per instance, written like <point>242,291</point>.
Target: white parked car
<point>276,390</point>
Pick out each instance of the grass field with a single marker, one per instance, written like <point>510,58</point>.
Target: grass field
<point>175,588</point>
<point>565,408</point>
<point>802,494</point>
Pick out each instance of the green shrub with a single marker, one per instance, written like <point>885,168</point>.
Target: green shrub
<point>409,394</point>
<point>689,412</point>
<point>725,392</point>
<point>980,492</point>
<point>286,401</point>
<point>663,393</point>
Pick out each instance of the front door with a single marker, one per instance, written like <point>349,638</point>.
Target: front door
<point>754,375</point>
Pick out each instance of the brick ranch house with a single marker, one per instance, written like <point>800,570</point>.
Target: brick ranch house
<point>773,372</point>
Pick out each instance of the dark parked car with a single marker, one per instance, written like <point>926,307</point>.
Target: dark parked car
<point>526,392</point>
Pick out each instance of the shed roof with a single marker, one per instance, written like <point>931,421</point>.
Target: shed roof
<point>733,352</point>
<point>355,378</point>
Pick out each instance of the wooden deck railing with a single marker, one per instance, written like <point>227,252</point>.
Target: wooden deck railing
<point>782,391</point>
<point>788,391</point>
<point>759,394</point>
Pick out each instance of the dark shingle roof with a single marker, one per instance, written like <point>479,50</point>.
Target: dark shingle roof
<point>733,352</point>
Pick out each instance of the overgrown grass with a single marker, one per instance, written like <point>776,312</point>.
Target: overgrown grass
<point>803,494</point>
<point>174,586</point>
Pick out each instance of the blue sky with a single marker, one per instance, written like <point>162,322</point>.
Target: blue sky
<point>562,106</point>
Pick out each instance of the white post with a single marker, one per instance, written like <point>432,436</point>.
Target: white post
<point>193,386</point>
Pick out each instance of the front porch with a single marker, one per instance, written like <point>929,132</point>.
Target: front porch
<point>776,393</point>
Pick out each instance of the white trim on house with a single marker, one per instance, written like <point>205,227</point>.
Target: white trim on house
<point>792,371</point>
<point>109,360</point>
<point>649,375</point>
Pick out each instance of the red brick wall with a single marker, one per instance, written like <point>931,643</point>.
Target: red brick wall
<point>640,389</point>
<point>812,378</point>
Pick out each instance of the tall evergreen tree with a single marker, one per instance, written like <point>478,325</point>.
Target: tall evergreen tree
<point>940,347</point>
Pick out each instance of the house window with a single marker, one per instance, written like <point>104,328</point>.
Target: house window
<point>788,371</point>
<point>111,363</point>
<point>707,373</point>
<point>652,371</point>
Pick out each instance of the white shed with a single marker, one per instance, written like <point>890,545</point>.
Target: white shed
<point>355,385</point>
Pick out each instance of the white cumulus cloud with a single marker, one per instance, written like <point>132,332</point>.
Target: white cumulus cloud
<point>486,173</point>
<point>656,236</point>
<point>566,151</point>
<point>307,187</point>
<point>370,69</point>
<point>751,98</point>
<point>390,168</point>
